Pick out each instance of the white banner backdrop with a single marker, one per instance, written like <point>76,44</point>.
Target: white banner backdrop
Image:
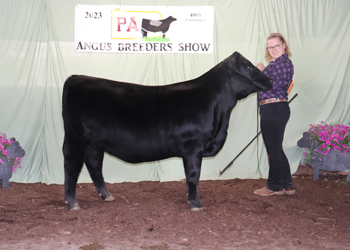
<point>144,29</point>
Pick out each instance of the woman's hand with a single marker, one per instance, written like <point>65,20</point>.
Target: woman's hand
<point>260,66</point>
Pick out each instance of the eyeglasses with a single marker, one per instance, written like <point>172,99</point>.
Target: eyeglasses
<point>276,47</point>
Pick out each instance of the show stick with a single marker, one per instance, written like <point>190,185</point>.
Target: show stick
<point>229,165</point>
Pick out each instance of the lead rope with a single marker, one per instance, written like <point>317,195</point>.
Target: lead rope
<point>257,139</point>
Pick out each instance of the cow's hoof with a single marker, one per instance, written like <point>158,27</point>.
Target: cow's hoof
<point>194,209</point>
<point>110,198</point>
<point>195,205</point>
<point>75,207</point>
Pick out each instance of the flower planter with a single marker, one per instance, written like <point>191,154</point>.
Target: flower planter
<point>11,154</point>
<point>334,161</point>
<point>5,173</point>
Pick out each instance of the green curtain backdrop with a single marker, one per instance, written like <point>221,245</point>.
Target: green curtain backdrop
<point>37,55</point>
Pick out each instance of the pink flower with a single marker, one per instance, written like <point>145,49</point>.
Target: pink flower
<point>5,153</point>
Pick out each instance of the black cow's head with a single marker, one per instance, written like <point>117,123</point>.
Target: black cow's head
<point>172,19</point>
<point>244,67</point>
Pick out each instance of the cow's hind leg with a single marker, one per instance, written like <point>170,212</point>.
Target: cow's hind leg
<point>192,165</point>
<point>93,162</point>
<point>73,162</point>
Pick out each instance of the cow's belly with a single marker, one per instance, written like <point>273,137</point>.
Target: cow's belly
<point>136,142</point>
<point>154,149</point>
<point>137,151</point>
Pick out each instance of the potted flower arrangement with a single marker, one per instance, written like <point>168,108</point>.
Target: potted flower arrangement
<point>11,154</point>
<point>327,147</point>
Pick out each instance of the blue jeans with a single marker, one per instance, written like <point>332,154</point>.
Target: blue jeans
<point>273,121</point>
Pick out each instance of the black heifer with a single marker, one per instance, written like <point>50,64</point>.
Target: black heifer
<point>138,123</point>
<point>156,25</point>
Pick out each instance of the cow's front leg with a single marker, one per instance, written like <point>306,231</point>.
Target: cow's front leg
<point>192,165</point>
<point>93,162</point>
<point>144,33</point>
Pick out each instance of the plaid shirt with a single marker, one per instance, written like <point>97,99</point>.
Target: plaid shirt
<point>281,71</point>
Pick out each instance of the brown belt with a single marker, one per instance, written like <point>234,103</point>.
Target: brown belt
<point>272,100</point>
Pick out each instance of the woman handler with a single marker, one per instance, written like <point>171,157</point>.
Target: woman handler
<point>274,115</point>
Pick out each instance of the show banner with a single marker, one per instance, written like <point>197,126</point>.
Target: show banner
<point>144,29</point>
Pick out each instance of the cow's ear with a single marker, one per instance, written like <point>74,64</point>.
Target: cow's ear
<point>238,60</point>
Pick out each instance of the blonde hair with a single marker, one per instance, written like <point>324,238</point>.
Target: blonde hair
<point>268,57</point>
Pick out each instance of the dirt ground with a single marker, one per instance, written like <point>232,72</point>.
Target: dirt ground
<point>156,216</point>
